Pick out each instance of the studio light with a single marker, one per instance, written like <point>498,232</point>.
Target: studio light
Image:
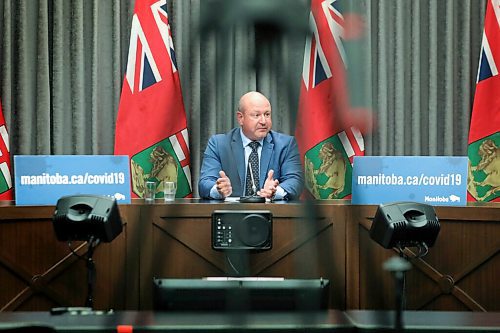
<point>82,217</point>
<point>400,225</point>
<point>405,224</point>
<point>89,218</point>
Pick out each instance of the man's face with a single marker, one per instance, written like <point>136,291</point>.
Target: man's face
<point>254,117</point>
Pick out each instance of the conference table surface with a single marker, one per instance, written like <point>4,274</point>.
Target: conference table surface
<point>318,321</point>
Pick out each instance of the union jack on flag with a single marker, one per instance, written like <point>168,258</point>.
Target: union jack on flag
<point>151,127</point>
<point>490,50</point>
<point>484,135</point>
<point>315,61</point>
<point>327,139</point>
<point>141,63</point>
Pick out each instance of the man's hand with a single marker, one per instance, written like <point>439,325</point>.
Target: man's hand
<point>223,185</point>
<point>270,185</point>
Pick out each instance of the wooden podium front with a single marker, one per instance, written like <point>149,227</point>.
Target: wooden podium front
<point>177,244</point>
<point>327,239</point>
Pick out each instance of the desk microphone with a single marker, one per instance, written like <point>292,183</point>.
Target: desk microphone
<point>252,198</point>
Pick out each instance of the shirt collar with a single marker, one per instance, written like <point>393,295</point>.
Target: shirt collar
<point>246,140</point>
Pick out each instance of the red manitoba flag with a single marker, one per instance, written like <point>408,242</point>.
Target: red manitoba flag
<point>484,136</point>
<point>327,140</point>
<point>151,126</point>
<point>5,175</point>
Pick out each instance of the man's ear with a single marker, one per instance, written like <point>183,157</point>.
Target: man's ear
<point>239,117</point>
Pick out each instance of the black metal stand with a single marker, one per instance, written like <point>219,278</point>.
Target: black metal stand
<point>398,267</point>
<point>91,272</point>
<point>400,299</point>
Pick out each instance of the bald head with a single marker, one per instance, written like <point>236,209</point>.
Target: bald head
<point>254,115</point>
<point>252,98</point>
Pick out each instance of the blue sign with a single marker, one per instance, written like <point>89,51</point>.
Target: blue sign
<point>433,180</point>
<point>43,179</point>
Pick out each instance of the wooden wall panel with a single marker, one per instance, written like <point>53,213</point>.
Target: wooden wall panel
<point>459,273</point>
<point>39,272</point>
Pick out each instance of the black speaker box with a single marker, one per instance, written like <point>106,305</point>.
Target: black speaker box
<point>242,230</point>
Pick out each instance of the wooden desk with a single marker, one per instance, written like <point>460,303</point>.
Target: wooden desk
<point>328,239</point>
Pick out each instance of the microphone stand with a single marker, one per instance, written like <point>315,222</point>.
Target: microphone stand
<point>254,198</point>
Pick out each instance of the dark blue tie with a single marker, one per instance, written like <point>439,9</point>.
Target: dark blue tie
<point>252,168</point>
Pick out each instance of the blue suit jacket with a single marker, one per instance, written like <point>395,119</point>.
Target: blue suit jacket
<point>225,152</point>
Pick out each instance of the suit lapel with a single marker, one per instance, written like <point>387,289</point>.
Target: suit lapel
<point>238,155</point>
<point>265,158</point>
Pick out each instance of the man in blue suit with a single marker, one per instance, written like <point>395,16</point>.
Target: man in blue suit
<point>224,169</point>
